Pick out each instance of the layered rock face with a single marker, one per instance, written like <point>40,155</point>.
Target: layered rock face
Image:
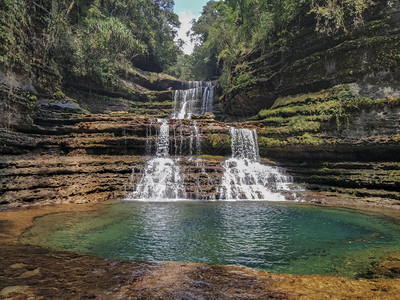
<point>302,60</point>
<point>339,145</point>
<point>68,156</point>
<point>336,140</point>
<point>327,107</point>
<point>53,179</point>
<point>91,143</point>
<point>62,154</point>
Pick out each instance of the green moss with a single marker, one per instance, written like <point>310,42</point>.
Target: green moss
<point>138,111</point>
<point>14,24</point>
<point>319,118</point>
<point>300,124</point>
<point>274,120</point>
<point>322,95</point>
<point>307,109</point>
<point>219,140</point>
<point>396,138</point>
<point>119,114</point>
<point>265,142</point>
<point>281,130</point>
<point>30,96</point>
<point>311,113</point>
<point>58,95</point>
<point>153,77</point>
<point>307,139</point>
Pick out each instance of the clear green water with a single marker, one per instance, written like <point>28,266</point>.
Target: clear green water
<point>277,237</point>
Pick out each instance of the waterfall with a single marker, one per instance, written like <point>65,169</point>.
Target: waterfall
<point>244,144</point>
<point>195,148</point>
<point>162,143</point>
<point>161,179</point>
<point>208,98</point>
<point>245,177</point>
<point>184,100</point>
<point>197,98</point>
<point>186,139</point>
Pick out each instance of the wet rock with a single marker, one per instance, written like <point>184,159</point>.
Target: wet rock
<point>18,266</point>
<point>388,268</point>
<point>65,105</point>
<point>9,290</point>
<point>29,274</point>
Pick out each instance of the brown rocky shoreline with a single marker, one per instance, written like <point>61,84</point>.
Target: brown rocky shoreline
<point>36,273</point>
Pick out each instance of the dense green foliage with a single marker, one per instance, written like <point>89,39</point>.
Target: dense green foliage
<point>184,68</point>
<point>227,29</point>
<point>95,39</point>
<point>101,39</point>
<point>13,27</point>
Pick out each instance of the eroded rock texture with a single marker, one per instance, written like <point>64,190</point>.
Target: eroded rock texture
<point>301,60</point>
<point>330,118</point>
<point>33,272</point>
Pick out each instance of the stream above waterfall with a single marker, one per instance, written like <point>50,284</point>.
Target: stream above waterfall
<point>278,237</point>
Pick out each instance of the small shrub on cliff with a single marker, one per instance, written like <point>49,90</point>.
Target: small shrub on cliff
<point>58,95</point>
<point>335,15</point>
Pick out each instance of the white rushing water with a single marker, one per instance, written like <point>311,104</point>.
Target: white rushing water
<point>245,177</point>
<point>208,98</point>
<point>197,98</point>
<point>162,175</point>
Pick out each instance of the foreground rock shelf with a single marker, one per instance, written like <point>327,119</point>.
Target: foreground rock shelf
<point>33,272</point>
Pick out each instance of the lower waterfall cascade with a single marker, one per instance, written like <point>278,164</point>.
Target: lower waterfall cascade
<point>162,177</point>
<point>243,176</point>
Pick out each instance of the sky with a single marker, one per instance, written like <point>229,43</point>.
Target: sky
<point>188,10</point>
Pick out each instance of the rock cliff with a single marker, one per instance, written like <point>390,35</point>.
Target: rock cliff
<point>326,109</point>
<point>302,60</point>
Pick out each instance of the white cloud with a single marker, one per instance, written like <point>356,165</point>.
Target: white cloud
<point>186,17</point>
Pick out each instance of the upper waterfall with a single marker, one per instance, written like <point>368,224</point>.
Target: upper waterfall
<point>208,98</point>
<point>197,98</point>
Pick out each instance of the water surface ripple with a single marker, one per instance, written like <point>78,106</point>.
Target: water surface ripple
<point>278,237</point>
